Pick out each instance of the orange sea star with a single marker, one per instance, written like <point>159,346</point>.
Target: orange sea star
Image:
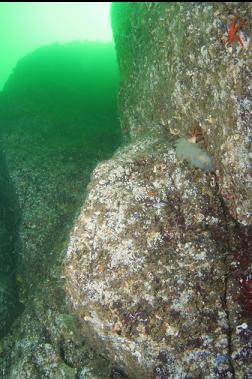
<point>233,30</point>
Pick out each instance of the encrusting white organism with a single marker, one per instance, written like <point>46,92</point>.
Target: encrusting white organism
<point>194,154</point>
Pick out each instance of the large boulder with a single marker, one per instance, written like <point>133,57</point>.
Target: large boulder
<point>148,266</point>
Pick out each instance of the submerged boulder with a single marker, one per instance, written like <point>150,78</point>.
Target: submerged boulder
<point>147,265</point>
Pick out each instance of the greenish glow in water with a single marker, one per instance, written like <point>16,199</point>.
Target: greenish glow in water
<point>58,119</point>
<point>72,90</point>
<point>26,26</point>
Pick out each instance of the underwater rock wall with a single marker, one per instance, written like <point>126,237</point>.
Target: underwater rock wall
<point>178,73</point>
<point>58,119</point>
<point>159,268</point>
<point>9,221</point>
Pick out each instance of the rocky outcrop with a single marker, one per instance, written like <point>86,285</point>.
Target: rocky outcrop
<point>158,267</point>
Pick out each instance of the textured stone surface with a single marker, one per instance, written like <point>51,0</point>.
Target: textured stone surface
<point>177,73</point>
<point>9,217</point>
<point>146,265</point>
<point>159,261</point>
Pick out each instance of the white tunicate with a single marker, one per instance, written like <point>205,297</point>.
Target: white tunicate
<point>194,154</point>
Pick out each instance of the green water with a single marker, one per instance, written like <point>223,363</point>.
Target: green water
<point>75,85</point>
<point>58,120</point>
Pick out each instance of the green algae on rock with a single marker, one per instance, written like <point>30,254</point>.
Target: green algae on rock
<point>154,261</point>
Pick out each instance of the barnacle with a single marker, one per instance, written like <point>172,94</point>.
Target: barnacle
<point>195,134</point>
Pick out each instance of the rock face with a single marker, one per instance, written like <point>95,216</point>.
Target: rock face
<point>178,72</point>
<point>9,220</point>
<point>159,268</point>
<point>57,120</point>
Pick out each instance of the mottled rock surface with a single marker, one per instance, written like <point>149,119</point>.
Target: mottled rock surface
<point>9,220</point>
<point>178,72</point>
<point>159,267</point>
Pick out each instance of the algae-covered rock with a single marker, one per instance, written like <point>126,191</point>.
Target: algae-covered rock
<point>147,266</point>
<point>158,266</point>
<point>180,70</point>
<point>9,220</point>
